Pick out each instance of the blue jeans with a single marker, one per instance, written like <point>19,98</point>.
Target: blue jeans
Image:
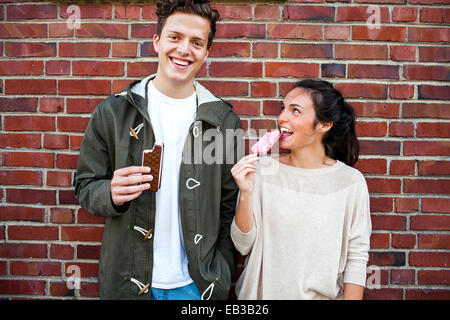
<point>188,292</point>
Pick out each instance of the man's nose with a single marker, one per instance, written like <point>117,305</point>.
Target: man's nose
<point>183,47</point>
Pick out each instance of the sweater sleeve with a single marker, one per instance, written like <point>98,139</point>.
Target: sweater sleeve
<point>359,239</point>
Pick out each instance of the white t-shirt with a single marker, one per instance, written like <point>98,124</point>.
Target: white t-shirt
<point>171,119</point>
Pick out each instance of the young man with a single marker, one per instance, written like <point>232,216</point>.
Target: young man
<point>173,243</point>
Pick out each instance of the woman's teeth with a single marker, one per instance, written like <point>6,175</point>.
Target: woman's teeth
<point>285,130</point>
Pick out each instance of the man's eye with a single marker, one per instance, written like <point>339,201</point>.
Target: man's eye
<point>173,37</point>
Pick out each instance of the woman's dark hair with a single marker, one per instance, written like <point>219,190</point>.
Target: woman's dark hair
<point>340,141</point>
<point>165,8</point>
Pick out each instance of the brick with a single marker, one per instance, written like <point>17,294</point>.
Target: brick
<point>67,161</point>
<point>67,197</point>
<point>30,49</point>
<point>27,159</point>
<point>224,88</point>
<point>61,30</point>
<point>434,241</point>
<point>403,53</point>
<point>56,141</point>
<point>376,147</point>
<point>361,13</point>
<point>84,49</point>
<point>24,287</point>
<point>35,268</point>
<point>416,34</point>
<point>23,30</point>
<point>427,294</point>
<point>88,252</point>
<point>97,68</point>
<point>403,276</point>
<point>414,72</point>
<point>10,67</point>
<point>426,148</point>
<point>149,12</point>
<point>333,32</point>
<point>23,250</point>
<point>293,69</point>
<point>29,123</point>
<point>230,49</point>
<point>387,258</point>
<point>429,259</point>
<point>20,177</point>
<point>102,30</point>
<point>400,91</point>
<point>85,217</point>
<point>235,69</point>
<point>433,129</point>
<point>59,289</point>
<point>61,251</point>
<point>89,289</point>
<point>373,166</point>
<point>295,50</point>
<point>267,12</point>
<point>288,31</point>
<point>434,54</point>
<point>259,125</point>
<point>402,167</point>
<point>383,294</point>
<point>127,12</point>
<point>240,30</point>
<point>51,105</point>
<point>82,105</point>
<point>403,241</point>
<point>265,50</point>
<point>61,215</point>
<point>263,89</point>
<point>57,67</point>
<point>234,12</point>
<point>363,90</point>
<point>382,34</point>
<point>84,87</point>
<point>401,129</point>
<point>32,233</point>
<point>406,205</point>
<point>75,142</point>
<point>95,11</point>
<point>433,167</point>
<point>271,107</point>
<point>373,71</point>
<point>376,109</point>
<point>77,233</point>
<point>124,49</point>
<point>379,241</point>
<point>18,104</point>
<point>136,69</point>
<point>426,110</point>
<point>429,222</point>
<point>388,222</point>
<point>19,213</point>
<point>371,129</point>
<point>426,186</point>
<point>143,30</point>
<point>435,15</point>
<point>434,92</point>
<point>31,196</point>
<point>31,11</point>
<point>30,86</point>
<point>361,52</point>
<point>381,185</point>
<point>404,14</point>
<point>333,70</point>
<point>20,140</point>
<point>380,204</point>
<point>59,179</point>
<point>316,13</point>
<point>433,277</point>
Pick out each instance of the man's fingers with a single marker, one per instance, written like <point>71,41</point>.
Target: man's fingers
<point>131,170</point>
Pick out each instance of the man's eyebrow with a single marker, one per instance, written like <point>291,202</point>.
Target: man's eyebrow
<point>182,34</point>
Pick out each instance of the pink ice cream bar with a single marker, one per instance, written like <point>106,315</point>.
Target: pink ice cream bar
<point>266,142</point>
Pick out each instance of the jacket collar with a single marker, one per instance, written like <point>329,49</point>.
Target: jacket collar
<point>209,107</point>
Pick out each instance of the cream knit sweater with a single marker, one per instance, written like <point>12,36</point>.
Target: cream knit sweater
<point>311,234</point>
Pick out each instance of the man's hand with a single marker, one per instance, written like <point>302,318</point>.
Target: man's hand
<point>125,183</point>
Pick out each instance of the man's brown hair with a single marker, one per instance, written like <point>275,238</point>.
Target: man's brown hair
<point>165,8</point>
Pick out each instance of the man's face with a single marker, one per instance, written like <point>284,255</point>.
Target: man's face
<point>181,48</point>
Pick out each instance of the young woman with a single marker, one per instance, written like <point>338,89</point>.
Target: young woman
<point>303,218</point>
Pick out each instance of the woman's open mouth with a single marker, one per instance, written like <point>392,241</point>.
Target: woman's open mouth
<point>285,133</point>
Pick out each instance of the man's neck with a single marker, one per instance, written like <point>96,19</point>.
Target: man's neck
<point>175,91</point>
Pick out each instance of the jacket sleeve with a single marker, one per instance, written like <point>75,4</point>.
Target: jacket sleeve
<point>229,196</point>
<point>94,173</point>
<point>359,240</point>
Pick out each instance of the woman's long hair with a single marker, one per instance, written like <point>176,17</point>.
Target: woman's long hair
<point>340,141</point>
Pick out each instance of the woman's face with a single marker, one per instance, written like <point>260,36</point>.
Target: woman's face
<point>296,121</point>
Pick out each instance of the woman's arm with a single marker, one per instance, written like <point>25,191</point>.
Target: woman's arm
<point>353,291</point>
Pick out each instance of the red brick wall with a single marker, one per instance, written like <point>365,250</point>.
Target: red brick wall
<point>52,77</point>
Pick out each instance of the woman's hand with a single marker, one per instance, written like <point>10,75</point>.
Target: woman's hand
<point>243,173</point>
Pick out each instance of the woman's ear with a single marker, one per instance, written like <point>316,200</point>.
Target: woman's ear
<point>323,127</point>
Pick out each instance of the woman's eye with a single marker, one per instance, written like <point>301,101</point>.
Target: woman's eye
<point>296,111</point>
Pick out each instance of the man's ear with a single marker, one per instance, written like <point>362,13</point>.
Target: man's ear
<point>155,42</point>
